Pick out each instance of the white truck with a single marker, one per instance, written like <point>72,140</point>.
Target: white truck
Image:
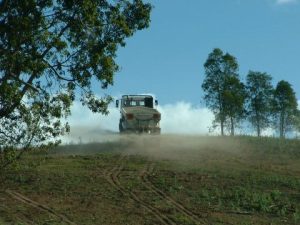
<point>139,114</point>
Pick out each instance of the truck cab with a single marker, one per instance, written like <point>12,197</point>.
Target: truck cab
<point>139,114</point>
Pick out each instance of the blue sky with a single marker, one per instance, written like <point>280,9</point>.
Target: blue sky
<point>167,59</point>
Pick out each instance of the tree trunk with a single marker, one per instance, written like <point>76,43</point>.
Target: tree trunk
<point>281,126</point>
<point>222,127</point>
<point>221,113</point>
<point>257,123</point>
<point>5,111</point>
<point>232,126</point>
<point>258,130</point>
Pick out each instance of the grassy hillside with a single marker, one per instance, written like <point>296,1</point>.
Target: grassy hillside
<point>157,180</point>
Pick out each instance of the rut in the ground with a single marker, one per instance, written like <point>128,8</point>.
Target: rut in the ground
<point>39,206</point>
<point>113,179</point>
<point>188,213</point>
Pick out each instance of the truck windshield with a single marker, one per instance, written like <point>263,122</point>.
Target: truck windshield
<point>147,102</point>
<point>134,103</point>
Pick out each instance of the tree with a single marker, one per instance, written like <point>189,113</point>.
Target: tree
<point>51,50</point>
<point>220,70</point>
<point>234,99</point>
<point>259,97</point>
<point>285,107</point>
<point>297,121</point>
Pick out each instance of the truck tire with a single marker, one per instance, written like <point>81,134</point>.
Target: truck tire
<point>121,127</point>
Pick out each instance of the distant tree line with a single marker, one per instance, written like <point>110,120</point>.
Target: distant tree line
<point>255,100</point>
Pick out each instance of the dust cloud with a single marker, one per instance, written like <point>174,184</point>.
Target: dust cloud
<point>178,118</point>
<point>185,130</point>
<point>180,148</point>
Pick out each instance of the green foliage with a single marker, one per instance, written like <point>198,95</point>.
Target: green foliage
<point>224,93</point>
<point>297,120</point>
<point>297,216</point>
<point>7,155</point>
<point>259,97</point>
<point>51,50</point>
<point>285,107</point>
<point>268,202</point>
<point>234,99</point>
<point>231,101</point>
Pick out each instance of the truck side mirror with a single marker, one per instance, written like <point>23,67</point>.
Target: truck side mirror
<point>156,102</point>
<point>117,103</point>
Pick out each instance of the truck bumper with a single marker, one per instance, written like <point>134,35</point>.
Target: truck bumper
<point>142,130</point>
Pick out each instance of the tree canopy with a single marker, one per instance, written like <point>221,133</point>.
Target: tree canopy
<point>285,107</point>
<point>52,50</point>
<point>259,97</point>
<point>220,85</point>
<point>232,101</point>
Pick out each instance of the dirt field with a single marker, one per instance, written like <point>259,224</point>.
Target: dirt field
<point>167,180</point>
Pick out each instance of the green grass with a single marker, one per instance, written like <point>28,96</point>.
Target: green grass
<point>242,180</point>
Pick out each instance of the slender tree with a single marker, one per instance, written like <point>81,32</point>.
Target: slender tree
<point>259,97</point>
<point>218,67</point>
<point>284,107</point>
<point>298,122</point>
<point>234,99</point>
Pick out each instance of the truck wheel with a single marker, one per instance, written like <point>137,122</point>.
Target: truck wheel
<point>120,127</point>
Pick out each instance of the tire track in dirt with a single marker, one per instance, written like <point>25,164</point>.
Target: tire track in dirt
<point>113,179</point>
<point>188,213</point>
<point>39,206</point>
